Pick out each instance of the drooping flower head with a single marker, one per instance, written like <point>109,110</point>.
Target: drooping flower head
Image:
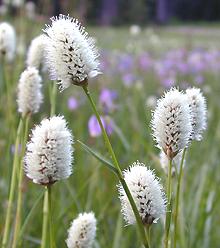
<point>198,110</point>
<point>29,91</point>
<point>171,123</point>
<point>35,52</point>
<point>147,193</point>
<point>7,41</point>
<point>71,54</point>
<point>82,231</point>
<point>49,153</point>
<point>164,162</point>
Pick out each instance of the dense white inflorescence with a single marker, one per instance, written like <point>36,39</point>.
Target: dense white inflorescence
<point>70,53</point>
<point>49,153</point>
<point>147,193</point>
<point>82,231</point>
<point>171,123</point>
<point>198,110</point>
<point>7,41</point>
<point>29,91</point>
<point>36,52</point>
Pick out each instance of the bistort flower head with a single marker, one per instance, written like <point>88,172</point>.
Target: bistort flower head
<point>36,52</point>
<point>29,91</point>
<point>49,153</point>
<point>71,54</point>
<point>147,193</point>
<point>198,110</point>
<point>164,162</point>
<point>82,231</point>
<point>171,123</point>
<point>7,41</point>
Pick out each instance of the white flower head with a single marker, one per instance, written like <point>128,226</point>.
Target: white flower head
<point>198,110</point>
<point>70,53</point>
<point>36,52</point>
<point>49,153</point>
<point>171,123</point>
<point>29,91</point>
<point>164,162</point>
<point>7,41</point>
<point>82,231</point>
<point>147,193</point>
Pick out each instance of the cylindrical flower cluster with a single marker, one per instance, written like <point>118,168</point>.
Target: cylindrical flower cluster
<point>147,193</point>
<point>36,52</point>
<point>171,123</point>
<point>198,111</point>
<point>29,91</point>
<point>49,153</point>
<point>70,53</point>
<point>7,41</point>
<point>82,231</point>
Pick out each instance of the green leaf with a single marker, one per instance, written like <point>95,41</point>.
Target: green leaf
<point>98,156</point>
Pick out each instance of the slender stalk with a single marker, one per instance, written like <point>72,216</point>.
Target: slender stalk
<point>45,220</point>
<point>148,235</point>
<point>119,172</point>
<point>52,242</point>
<point>169,205</point>
<point>20,188</point>
<point>12,185</point>
<point>180,175</point>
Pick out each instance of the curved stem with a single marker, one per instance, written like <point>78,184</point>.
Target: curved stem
<point>119,172</point>
<point>12,185</point>
<point>45,220</point>
<point>20,188</point>
<point>169,205</point>
<point>180,175</point>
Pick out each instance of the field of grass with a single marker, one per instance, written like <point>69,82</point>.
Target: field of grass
<point>92,187</point>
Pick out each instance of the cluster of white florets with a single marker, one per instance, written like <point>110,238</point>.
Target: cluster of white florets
<point>29,91</point>
<point>49,153</point>
<point>82,231</point>
<point>147,193</point>
<point>7,42</point>
<point>70,53</point>
<point>36,52</point>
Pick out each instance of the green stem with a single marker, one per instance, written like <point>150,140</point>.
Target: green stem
<point>45,220</point>
<point>148,235</point>
<point>20,188</point>
<point>52,241</point>
<point>119,172</point>
<point>180,175</point>
<point>53,95</point>
<point>169,205</point>
<point>12,186</point>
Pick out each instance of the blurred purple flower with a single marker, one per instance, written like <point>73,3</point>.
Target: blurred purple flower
<point>145,62</point>
<point>199,79</point>
<point>72,103</point>
<point>94,128</point>
<point>128,79</point>
<point>125,63</point>
<point>106,99</point>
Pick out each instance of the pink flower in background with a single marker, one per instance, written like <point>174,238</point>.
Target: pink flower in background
<point>94,128</point>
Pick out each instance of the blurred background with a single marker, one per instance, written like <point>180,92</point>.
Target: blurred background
<point>146,47</point>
